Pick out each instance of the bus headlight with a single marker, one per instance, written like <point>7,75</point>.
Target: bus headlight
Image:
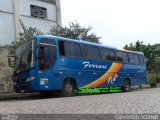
<point>30,79</point>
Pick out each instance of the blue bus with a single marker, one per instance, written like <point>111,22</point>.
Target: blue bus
<point>50,63</point>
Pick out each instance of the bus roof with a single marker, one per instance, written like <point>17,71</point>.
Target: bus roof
<point>77,41</point>
<point>86,42</point>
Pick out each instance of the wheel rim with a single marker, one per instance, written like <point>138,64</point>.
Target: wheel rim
<point>126,86</point>
<point>69,88</point>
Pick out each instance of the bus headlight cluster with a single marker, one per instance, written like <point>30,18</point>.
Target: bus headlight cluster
<point>30,79</point>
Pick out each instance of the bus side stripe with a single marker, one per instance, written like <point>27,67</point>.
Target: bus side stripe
<point>113,70</point>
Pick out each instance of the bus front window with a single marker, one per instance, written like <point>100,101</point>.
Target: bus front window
<point>24,56</point>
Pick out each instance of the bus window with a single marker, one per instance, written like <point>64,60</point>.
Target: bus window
<point>141,58</point>
<point>122,56</point>
<point>125,57</point>
<point>47,57</point>
<point>71,49</point>
<point>108,54</point>
<point>86,52</point>
<point>25,62</point>
<point>95,53</point>
<point>133,58</point>
<point>119,56</point>
<point>136,59</point>
<point>61,48</point>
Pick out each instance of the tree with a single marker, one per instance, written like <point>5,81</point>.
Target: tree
<point>151,52</point>
<point>25,35</point>
<point>75,31</point>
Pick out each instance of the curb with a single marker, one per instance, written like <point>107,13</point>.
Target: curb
<point>12,96</point>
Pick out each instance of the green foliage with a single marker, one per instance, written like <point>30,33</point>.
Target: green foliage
<point>152,54</point>
<point>25,35</point>
<point>75,31</point>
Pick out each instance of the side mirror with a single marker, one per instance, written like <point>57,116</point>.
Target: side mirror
<point>11,61</point>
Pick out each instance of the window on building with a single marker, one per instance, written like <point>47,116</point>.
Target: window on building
<point>37,11</point>
<point>108,54</point>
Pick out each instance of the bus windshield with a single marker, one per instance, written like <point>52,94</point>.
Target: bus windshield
<point>24,57</point>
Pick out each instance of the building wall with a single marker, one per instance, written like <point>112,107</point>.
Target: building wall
<point>11,12</point>
<point>7,32</point>
<point>42,24</point>
<point>5,71</point>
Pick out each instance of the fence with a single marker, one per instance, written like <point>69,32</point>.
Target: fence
<point>153,77</point>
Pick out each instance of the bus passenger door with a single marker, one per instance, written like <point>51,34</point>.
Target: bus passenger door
<point>46,59</point>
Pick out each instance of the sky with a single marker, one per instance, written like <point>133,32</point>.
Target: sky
<point>117,22</point>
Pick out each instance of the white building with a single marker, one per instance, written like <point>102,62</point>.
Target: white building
<point>41,14</point>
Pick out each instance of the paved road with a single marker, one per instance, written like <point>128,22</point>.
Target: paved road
<point>138,102</point>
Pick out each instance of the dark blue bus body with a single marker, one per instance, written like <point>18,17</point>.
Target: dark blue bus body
<point>47,61</point>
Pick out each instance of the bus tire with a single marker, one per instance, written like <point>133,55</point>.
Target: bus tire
<point>126,85</point>
<point>69,87</point>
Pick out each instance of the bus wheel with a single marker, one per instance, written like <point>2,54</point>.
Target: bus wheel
<point>126,85</point>
<point>69,88</point>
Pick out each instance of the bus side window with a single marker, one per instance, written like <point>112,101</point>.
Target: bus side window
<point>136,59</point>
<point>141,58</point>
<point>72,49</point>
<point>133,58</point>
<point>108,54</point>
<point>125,57</point>
<point>119,56</point>
<point>86,52</point>
<point>122,56</point>
<point>61,48</point>
<point>95,53</point>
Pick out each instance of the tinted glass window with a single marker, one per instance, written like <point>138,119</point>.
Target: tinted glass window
<point>108,54</point>
<point>72,49</point>
<point>122,57</point>
<point>25,63</point>
<point>53,54</point>
<point>86,51</point>
<point>95,53</point>
<point>133,58</point>
<point>119,56</point>
<point>125,57</point>
<point>46,57</point>
<point>136,59</point>
<point>141,58</point>
<point>61,48</point>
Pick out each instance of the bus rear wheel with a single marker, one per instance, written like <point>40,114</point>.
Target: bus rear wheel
<point>126,85</point>
<point>69,88</point>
